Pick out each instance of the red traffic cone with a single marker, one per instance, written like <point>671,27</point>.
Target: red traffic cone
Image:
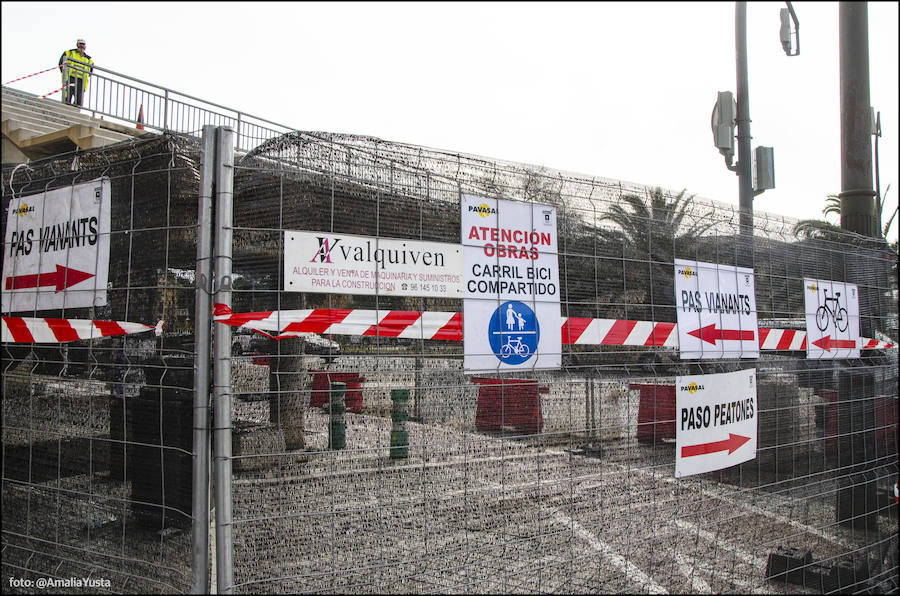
<point>140,118</point>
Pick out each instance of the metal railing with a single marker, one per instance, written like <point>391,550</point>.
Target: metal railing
<point>158,108</point>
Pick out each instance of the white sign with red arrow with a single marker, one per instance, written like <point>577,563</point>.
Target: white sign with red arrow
<point>56,249</point>
<point>716,306</point>
<point>832,319</point>
<point>715,421</point>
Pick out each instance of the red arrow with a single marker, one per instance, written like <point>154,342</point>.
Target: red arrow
<point>62,278</point>
<point>731,444</point>
<point>826,343</point>
<point>711,334</point>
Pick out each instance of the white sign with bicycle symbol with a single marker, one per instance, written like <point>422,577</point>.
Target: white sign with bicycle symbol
<point>511,317</point>
<point>832,319</point>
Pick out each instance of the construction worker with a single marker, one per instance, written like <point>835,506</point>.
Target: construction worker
<point>76,67</point>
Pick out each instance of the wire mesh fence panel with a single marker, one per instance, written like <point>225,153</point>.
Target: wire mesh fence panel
<point>97,420</point>
<point>367,458</point>
<point>544,480</point>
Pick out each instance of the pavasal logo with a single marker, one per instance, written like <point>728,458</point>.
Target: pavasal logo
<point>483,210</point>
<point>24,209</point>
<point>692,387</point>
<point>323,254</point>
<point>812,288</point>
<point>687,272</point>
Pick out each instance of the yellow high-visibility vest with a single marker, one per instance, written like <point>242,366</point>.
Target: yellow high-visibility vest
<point>80,66</point>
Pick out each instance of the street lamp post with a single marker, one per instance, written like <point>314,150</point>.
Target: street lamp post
<point>742,120</point>
<point>724,140</point>
<point>857,196</point>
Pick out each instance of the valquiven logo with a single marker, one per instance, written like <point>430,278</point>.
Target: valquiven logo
<point>323,254</point>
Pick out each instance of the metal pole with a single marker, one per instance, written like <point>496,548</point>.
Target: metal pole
<point>224,173</point>
<point>879,200</point>
<point>857,204</point>
<point>857,215</point>
<point>65,76</point>
<point>745,180</point>
<point>238,129</point>
<point>202,322</point>
<point>166,112</point>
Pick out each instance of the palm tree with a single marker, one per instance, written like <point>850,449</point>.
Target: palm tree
<point>654,230</point>
<point>825,230</point>
<point>657,216</point>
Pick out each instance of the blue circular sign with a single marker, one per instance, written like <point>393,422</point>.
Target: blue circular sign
<point>513,332</point>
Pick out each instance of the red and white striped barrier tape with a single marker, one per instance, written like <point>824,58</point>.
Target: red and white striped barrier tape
<point>448,326</point>
<point>31,75</point>
<point>52,92</point>
<point>613,332</point>
<point>781,339</point>
<point>383,323</point>
<point>388,323</point>
<point>37,330</point>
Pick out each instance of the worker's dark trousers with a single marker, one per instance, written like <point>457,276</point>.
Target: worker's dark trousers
<point>74,91</point>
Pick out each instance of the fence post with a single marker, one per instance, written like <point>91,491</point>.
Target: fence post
<point>399,415</point>
<point>224,177</point>
<point>337,427</point>
<point>238,131</point>
<point>166,112</point>
<point>202,322</point>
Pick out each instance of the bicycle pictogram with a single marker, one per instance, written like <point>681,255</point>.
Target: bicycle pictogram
<point>837,313</point>
<point>514,333</point>
<point>514,347</point>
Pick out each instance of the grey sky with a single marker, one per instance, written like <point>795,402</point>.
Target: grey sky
<point>614,90</point>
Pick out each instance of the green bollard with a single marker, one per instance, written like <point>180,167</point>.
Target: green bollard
<point>337,428</point>
<point>399,416</point>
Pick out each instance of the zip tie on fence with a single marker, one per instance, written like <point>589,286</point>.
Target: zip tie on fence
<point>52,92</point>
<point>31,75</point>
<point>38,330</point>
<point>448,326</point>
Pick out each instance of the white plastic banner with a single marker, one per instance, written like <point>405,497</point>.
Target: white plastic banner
<point>347,264</point>
<point>832,319</point>
<point>716,306</point>
<point>715,421</point>
<point>511,312</point>
<point>56,249</point>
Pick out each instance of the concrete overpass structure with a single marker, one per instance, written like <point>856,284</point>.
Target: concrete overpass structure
<point>34,128</point>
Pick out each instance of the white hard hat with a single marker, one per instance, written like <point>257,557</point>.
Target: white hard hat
<point>80,41</point>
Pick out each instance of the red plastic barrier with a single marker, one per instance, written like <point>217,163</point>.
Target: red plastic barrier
<point>509,402</point>
<point>656,412</point>
<point>322,379</point>
<point>885,421</point>
<point>886,416</point>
